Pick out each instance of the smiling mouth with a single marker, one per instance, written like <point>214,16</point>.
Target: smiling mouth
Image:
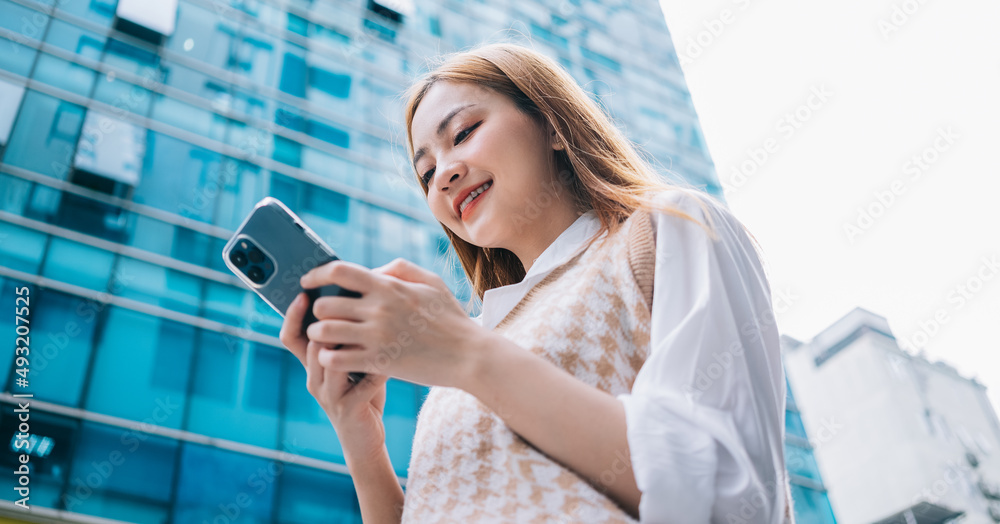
<point>461,212</point>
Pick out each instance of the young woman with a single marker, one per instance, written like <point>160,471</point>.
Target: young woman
<point>626,364</point>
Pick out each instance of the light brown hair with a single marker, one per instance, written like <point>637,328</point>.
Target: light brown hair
<point>598,165</point>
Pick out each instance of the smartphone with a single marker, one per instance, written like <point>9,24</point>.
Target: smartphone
<point>271,250</point>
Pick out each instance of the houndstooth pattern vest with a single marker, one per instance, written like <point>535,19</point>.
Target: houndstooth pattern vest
<point>590,316</point>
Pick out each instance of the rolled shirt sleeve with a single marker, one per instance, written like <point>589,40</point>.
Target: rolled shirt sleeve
<point>705,416</point>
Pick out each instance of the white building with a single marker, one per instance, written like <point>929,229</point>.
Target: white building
<point>905,440</point>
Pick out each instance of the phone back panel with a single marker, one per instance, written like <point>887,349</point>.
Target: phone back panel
<point>290,244</point>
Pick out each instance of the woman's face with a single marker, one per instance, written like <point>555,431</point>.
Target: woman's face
<point>465,136</point>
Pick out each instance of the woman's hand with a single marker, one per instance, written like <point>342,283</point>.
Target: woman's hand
<point>355,410</point>
<point>407,324</point>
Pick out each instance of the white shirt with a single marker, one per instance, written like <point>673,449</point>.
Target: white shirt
<point>706,415</point>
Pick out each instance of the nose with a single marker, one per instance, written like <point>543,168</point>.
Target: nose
<point>451,173</point>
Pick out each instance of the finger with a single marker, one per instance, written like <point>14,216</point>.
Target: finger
<point>347,275</point>
<point>346,360</point>
<point>291,328</point>
<point>332,332</point>
<point>333,374</point>
<point>314,370</point>
<point>342,308</point>
<point>403,269</point>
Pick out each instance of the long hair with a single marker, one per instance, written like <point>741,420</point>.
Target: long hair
<point>598,165</point>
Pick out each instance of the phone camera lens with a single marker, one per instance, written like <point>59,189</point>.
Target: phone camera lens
<point>256,255</point>
<point>238,258</point>
<point>256,274</point>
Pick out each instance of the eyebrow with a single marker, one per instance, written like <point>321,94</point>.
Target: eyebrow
<point>440,129</point>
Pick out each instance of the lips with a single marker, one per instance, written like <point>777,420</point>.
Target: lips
<point>475,202</point>
<point>465,194</point>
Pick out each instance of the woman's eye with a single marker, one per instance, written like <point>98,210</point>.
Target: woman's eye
<point>458,138</point>
<point>465,132</point>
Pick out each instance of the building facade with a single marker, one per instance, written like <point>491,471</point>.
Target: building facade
<point>907,440</point>
<point>809,495</point>
<point>135,136</point>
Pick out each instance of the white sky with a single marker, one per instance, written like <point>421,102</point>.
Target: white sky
<point>890,97</point>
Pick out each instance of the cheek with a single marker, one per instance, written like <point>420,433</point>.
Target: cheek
<point>439,206</point>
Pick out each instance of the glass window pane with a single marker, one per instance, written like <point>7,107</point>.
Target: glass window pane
<point>152,235</point>
<point>293,73</point>
<point>129,474</point>
<point>79,264</point>
<point>215,482</point>
<point>800,461</point>
<point>111,149</point>
<point>811,506</point>
<point>189,118</point>
<point>190,246</point>
<point>18,58</point>
<point>22,20</point>
<point>305,419</point>
<point>86,215</point>
<point>100,12</point>
<point>75,40</point>
<point>203,35</point>
<point>148,357</point>
<point>255,57</point>
<point>51,446</point>
<point>310,495</point>
<point>122,95</point>
<point>235,393</point>
<point>793,425</point>
<point>400,419</point>
<point>62,335</point>
<point>21,248</point>
<point>254,106</point>
<point>15,193</point>
<point>175,177</point>
<point>59,73</point>
<point>287,151</point>
<point>157,285</point>
<point>390,239</point>
<point>427,243</point>
<point>225,303</point>
<point>330,166</point>
<point>10,102</point>
<point>45,135</point>
<point>238,188</point>
<point>196,83</point>
<point>133,59</point>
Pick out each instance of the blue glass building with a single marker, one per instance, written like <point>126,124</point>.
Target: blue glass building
<point>135,136</point>
<point>809,495</point>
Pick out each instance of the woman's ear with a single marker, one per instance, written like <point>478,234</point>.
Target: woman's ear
<point>554,139</point>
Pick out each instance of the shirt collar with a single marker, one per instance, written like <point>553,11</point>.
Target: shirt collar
<point>497,302</point>
<point>561,250</point>
<point>566,245</point>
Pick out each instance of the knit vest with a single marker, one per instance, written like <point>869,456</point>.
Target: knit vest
<point>590,316</point>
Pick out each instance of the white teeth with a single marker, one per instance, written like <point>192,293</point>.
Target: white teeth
<point>473,195</point>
